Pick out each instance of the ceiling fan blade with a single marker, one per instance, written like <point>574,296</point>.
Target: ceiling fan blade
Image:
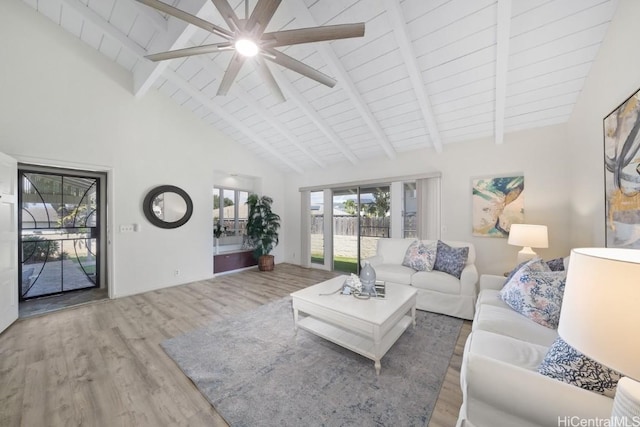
<point>313,34</point>
<point>232,72</point>
<point>189,51</point>
<point>187,17</point>
<point>264,71</point>
<point>260,17</point>
<point>297,66</point>
<point>227,13</point>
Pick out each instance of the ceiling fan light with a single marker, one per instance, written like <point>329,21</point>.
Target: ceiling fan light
<point>246,47</point>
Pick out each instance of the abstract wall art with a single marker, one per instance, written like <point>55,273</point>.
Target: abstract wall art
<point>622,175</point>
<point>497,202</point>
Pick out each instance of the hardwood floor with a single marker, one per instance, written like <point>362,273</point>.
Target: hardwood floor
<point>101,364</point>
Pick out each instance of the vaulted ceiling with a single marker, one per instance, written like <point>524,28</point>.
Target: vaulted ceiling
<point>427,73</point>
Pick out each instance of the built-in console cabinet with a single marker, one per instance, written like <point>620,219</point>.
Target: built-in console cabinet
<point>228,261</point>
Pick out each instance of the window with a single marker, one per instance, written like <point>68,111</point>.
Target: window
<point>231,212</point>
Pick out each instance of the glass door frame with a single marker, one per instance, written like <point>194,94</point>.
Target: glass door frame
<point>100,234</point>
<point>358,191</point>
<point>346,191</point>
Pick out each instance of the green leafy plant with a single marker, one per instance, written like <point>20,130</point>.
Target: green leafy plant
<point>39,249</point>
<point>219,230</point>
<point>262,225</point>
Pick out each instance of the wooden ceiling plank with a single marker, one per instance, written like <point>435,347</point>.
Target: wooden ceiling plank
<point>227,117</point>
<point>105,26</point>
<point>294,95</point>
<point>177,36</point>
<point>460,21</point>
<point>503,33</point>
<point>398,23</point>
<point>551,12</point>
<point>152,16</point>
<point>71,21</point>
<point>304,16</point>
<point>548,32</point>
<point>558,47</point>
<point>239,91</point>
<point>570,59</point>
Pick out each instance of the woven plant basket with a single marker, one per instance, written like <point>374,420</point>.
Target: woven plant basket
<point>266,263</point>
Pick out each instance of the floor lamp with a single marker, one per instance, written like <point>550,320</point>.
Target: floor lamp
<point>600,317</point>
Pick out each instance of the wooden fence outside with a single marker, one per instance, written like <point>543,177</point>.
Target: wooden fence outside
<point>346,225</point>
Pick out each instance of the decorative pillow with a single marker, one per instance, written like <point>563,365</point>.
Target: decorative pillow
<point>450,260</point>
<point>534,263</point>
<point>568,365</point>
<point>556,264</point>
<point>420,256</point>
<point>536,294</point>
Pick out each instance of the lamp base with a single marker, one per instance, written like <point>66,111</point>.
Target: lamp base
<point>626,404</point>
<point>526,254</point>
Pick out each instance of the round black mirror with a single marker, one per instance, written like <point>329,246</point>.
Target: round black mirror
<point>167,206</point>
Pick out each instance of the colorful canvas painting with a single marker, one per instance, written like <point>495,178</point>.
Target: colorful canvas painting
<point>622,175</point>
<point>497,203</point>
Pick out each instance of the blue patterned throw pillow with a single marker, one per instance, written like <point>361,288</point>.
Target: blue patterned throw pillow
<point>556,264</point>
<point>568,365</point>
<point>534,263</point>
<point>420,256</point>
<point>450,260</point>
<point>536,293</point>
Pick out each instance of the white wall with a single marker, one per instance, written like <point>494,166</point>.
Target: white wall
<point>614,76</point>
<point>62,103</point>
<point>540,154</point>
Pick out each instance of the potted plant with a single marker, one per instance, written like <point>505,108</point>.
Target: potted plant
<point>218,231</point>
<point>262,230</point>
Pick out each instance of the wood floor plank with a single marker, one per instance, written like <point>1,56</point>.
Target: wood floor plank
<point>101,364</point>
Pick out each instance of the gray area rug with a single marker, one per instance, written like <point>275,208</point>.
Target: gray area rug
<point>256,372</point>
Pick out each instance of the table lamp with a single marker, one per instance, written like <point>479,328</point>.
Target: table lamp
<point>528,236</point>
<point>600,316</point>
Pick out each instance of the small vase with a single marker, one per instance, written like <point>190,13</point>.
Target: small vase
<point>217,248</point>
<point>368,279</point>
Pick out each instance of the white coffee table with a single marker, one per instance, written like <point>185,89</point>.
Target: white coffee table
<point>367,327</point>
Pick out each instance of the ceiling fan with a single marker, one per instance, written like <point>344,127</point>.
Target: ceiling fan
<point>247,39</point>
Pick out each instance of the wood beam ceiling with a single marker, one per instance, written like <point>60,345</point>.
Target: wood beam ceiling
<point>401,33</point>
<point>152,16</point>
<point>295,96</point>
<point>238,90</point>
<point>229,118</point>
<point>344,80</point>
<point>139,52</point>
<point>105,26</point>
<point>177,36</point>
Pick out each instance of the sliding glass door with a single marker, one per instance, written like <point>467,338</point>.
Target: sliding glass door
<point>344,223</point>
<point>375,218</point>
<point>316,226</point>
<point>361,216</point>
<point>345,230</point>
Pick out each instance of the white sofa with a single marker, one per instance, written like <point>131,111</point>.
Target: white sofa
<point>438,292</point>
<point>500,383</point>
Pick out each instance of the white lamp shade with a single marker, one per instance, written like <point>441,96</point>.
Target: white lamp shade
<point>528,235</point>
<point>600,314</point>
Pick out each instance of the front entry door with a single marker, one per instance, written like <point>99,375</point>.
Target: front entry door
<point>59,232</point>
<point>8,241</point>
